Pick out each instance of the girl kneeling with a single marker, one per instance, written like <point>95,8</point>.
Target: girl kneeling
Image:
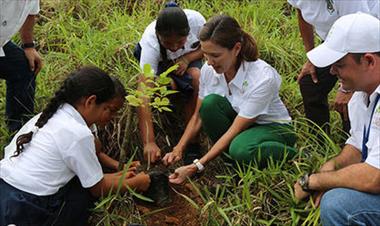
<point>50,171</point>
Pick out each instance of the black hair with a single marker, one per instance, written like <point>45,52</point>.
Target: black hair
<point>120,90</point>
<point>172,20</point>
<point>84,82</point>
<point>357,56</point>
<point>225,31</point>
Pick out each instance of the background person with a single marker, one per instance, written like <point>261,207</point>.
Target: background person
<point>238,104</point>
<point>18,66</point>
<point>171,39</point>
<point>350,182</point>
<point>316,82</point>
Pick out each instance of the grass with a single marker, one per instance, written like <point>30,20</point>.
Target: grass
<point>103,33</point>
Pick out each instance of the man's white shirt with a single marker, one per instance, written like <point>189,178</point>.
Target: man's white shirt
<point>360,114</point>
<point>316,12</point>
<point>13,14</point>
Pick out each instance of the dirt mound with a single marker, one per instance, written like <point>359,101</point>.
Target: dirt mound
<point>180,212</point>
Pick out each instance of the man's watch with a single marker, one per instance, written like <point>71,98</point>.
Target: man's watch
<point>304,183</point>
<point>199,165</point>
<point>28,45</point>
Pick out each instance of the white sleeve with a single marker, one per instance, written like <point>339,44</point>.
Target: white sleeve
<point>348,7</point>
<point>293,3</point>
<point>200,21</point>
<point>357,122</point>
<point>202,81</point>
<point>373,145</point>
<point>81,158</point>
<point>257,102</point>
<point>149,55</point>
<point>35,8</point>
<point>355,139</point>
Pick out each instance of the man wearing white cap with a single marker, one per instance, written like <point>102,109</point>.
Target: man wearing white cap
<point>317,17</point>
<point>350,182</point>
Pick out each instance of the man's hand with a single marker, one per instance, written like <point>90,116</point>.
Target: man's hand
<point>152,152</point>
<point>341,103</point>
<point>172,157</point>
<point>299,193</point>
<point>183,64</point>
<point>181,173</point>
<point>34,59</point>
<point>308,69</point>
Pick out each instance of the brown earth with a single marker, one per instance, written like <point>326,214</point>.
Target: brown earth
<point>179,212</point>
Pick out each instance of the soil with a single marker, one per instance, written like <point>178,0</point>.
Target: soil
<point>178,213</point>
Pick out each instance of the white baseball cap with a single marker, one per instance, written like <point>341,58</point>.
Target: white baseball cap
<point>353,33</point>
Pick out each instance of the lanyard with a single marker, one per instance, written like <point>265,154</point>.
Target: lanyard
<point>366,132</point>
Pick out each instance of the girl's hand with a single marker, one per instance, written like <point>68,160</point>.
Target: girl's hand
<point>183,64</point>
<point>152,152</point>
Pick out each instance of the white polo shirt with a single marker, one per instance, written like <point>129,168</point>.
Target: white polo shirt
<point>316,12</point>
<point>13,14</point>
<point>62,148</point>
<point>150,53</point>
<point>253,93</point>
<point>359,115</point>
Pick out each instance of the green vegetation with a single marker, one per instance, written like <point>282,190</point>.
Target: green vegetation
<point>103,33</point>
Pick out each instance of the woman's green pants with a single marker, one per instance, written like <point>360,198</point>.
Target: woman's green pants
<point>257,143</point>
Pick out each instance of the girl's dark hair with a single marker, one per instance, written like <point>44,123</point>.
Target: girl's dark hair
<point>120,90</point>
<point>83,82</point>
<point>172,20</point>
<point>225,31</point>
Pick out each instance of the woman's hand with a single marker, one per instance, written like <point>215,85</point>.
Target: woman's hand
<point>172,157</point>
<point>181,173</point>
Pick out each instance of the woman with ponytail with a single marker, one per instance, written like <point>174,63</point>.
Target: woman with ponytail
<point>171,39</point>
<point>50,173</point>
<point>238,103</point>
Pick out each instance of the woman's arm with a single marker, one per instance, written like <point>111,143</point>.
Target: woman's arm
<point>192,130</point>
<point>240,124</point>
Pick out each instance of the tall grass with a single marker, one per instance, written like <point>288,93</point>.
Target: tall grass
<point>103,33</point>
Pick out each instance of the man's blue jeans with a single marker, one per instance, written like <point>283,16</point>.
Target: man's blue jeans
<point>20,81</point>
<point>342,206</point>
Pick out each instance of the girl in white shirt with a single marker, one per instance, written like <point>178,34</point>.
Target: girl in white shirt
<point>238,104</point>
<point>171,39</point>
<point>50,171</point>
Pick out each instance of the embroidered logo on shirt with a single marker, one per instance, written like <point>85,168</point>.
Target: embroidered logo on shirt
<point>245,85</point>
<point>377,111</point>
<point>330,6</point>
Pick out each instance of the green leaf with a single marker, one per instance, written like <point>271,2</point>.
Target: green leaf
<point>148,71</point>
<point>134,101</point>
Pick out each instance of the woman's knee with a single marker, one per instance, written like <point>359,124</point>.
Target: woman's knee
<point>210,103</point>
<point>239,151</point>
